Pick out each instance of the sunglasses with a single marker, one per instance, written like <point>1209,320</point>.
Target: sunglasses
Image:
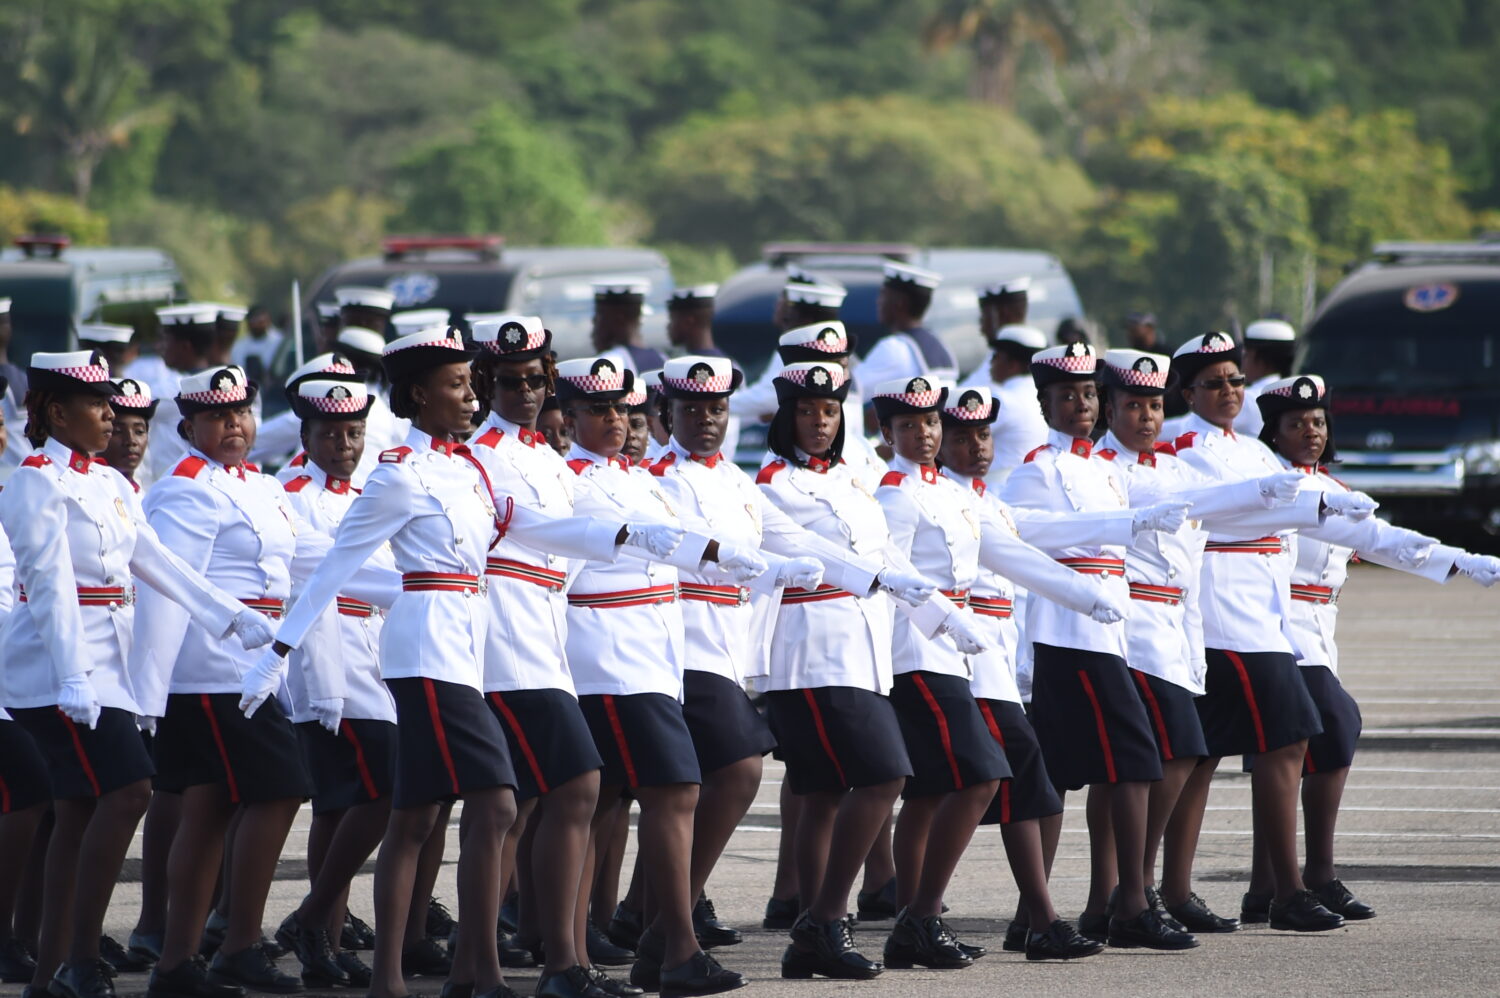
<point>602,409</point>
<point>1217,384</point>
<point>511,383</point>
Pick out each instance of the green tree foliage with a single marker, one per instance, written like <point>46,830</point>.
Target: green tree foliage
<point>23,212</point>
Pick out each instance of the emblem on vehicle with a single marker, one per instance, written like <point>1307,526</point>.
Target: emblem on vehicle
<point>1379,439</point>
<point>412,289</point>
<point>1431,297</point>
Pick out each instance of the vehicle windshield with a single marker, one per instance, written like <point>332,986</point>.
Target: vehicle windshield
<point>1383,347</point>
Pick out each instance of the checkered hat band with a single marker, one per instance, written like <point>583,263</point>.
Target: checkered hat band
<point>1216,346</point>
<point>1285,391</point>
<point>840,345</point>
<point>635,398</point>
<point>918,400</point>
<point>1083,364</point>
<point>1140,379</point>
<point>597,382</point>
<point>217,397</point>
<point>93,373</point>
<point>836,379</point>
<point>534,340</point>
<point>982,413</point>
<point>715,383</point>
<point>350,403</point>
<point>445,341</point>
<point>337,367</point>
<point>130,401</point>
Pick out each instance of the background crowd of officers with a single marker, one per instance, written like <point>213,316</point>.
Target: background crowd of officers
<point>545,588</point>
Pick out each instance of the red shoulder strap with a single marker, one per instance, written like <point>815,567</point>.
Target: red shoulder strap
<point>769,472</point>
<point>893,478</point>
<point>189,467</point>
<point>299,461</point>
<point>490,437</point>
<point>1185,441</point>
<point>252,466</point>
<point>395,455</point>
<point>1162,447</point>
<point>659,469</point>
<point>1108,453</point>
<point>297,484</point>
<point>578,465</point>
<point>1034,453</point>
<point>36,461</point>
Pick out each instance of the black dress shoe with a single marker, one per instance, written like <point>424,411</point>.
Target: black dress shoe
<point>602,951</point>
<point>1093,926</point>
<point>781,913</point>
<point>877,906</point>
<point>286,932</point>
<point>456,989</point>
<point>1156,904</point>
<point>189,979</point>
<point>1148,930</point>
<point>1337,899</point>
<point>145,946</point>
<point>531,946</point>
<point>923,941</point>
<point>425,958</point>
<point>320,969</point>
<point>1016,934</point>
<point>273,949</point>
<point>498,991</point>
<point>610,986</point>
<point>1303,912</point>
<point>1255,909</point>
<point>440,921</point>
<point>512,954</point>
<point>213,934</point>
<point>700,975</point>
<point>645,972</point>
<point>625,927</point>
<point>1060,942</point>
<point>359,973</point>
<point>356,935</point>
<point>510,912</point>
<point>251,968</point>
<point>710,931</point>
<point>571,983</point>
<point>85,979</point>
<point>121,959</point>
<point>825,948</point>
<point>16,965</point>
<point>1195,915</point>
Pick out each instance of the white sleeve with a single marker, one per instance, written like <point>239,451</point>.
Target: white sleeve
<point>156,565</point>
<point>1051,529</point>
<point>1002,551</point>
<point>34,511</point>
<point>1379,542</point>
<point>841,567</point>
<point>888,359</point>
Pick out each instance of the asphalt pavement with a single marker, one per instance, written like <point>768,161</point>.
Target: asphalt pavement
<point>1419,838</point>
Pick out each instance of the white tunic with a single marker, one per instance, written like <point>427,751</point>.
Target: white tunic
<point>899,355</point>
<point>75,525</point>
<point>342,661</point>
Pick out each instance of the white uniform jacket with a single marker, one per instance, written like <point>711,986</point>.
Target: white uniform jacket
<point>899,354</point>
<point>350,651</point>
<point>7,598</point>
<point>625,631</point>
<point>81,540</point>
<point>1322,556</point>
<point>728,629</point>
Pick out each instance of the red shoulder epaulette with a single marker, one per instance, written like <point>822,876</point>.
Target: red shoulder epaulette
<point>36,461</point>
<point>395,455</point>
<point>659,469</point>
<point>189,467</point>
<point>299,461</point>
<point>1034,453</point>
<point>1108,453</point>
<point>297,484</point>
<point>893,478</point>
<point>579,464</point>
<point>490,437</point>
<point>769,472</point>
<point>252,466</point>
<point>1162,447</point>
<point>1185,441</point>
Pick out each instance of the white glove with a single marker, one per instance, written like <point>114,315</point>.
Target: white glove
<point>329,713</point>
<point>1482,568</point>
<point>958,627</point>
<point>911,589</point>
<point>146,723</point>
<point>656,539</point>
<point>253,629</point>
<point>1282,488</point>
<point>261,681</point>
<point>741,564</point>
<point>800,573</point>
<point>1109,608</point>
<point>78,701</point>
<point>1414,551</point>
<point>1166,517</point>
<point>1355,506</point>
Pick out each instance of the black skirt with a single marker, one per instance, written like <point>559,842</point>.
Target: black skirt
<point>946,738</point>
<point>448,743</point>
<point>205,738</point>
<point>1333,749</point>
<point>549,739</point>
<point>1028,793</point>
<point>837,738</point>
<point>724,724</point>
<point>1089,720</point>
<point>24,779</point>
<point>1255,702</point>
<point>355,766</point>
<point>642,739</point>
<point>1174,717</point>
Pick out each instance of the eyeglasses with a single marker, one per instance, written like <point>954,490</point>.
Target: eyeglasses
<point>1217,384</point>
<point>511,383</point>
<point>602,409</point>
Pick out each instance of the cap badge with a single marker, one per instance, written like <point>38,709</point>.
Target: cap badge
<point>513,332</point>
<point>1215,342</point>
<point>1146,365</point>
<point>338,392</point>
<point>701,373</point>
<point>918,385</point>
<point>1305,389</point>
<point>128,387</point>
<point>819,377</point>
<point>222,381</point>
<point>1076,349</point>
<point>603,368</point>
<point>971,402</point>
<point>828,334</point>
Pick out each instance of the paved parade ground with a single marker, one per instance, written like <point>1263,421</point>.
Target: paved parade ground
<point>1419,839</point>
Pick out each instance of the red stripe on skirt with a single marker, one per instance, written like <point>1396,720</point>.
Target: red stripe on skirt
<point>817,716</point>
<point>365,776</point>
<point>631,779</point>
<point>1109,754</point>
<point>213,726</point>
<point>439,731</point>
<point>1308,761</point>
<point>1260,729</point>
<point>944,735</point>
<point>995,733</point>
<point>515,726</point>
<point>1156,715</point>
<point>88,767</point>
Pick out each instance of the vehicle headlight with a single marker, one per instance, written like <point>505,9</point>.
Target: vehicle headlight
<point>1482,457</point>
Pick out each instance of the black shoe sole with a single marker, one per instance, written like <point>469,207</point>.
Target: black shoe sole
<point>800,965</point>
<point>911,962</point>
<point>1288,927</point>
<point>713,990</point>
<point>317,979</point>
<point>222,980</point>
<point>1122,942</point>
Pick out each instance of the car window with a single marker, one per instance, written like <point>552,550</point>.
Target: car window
<point>1379,344</point>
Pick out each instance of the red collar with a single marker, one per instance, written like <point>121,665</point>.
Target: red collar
<point>819,465</point>
<point>978,484</point>
<point>929,473</point>
<point>450,447</point>
<point>712,461</point>
<point>1082,446</point>
<point>80,462</point>
<point>338,486</point>
<point>529,437</point>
